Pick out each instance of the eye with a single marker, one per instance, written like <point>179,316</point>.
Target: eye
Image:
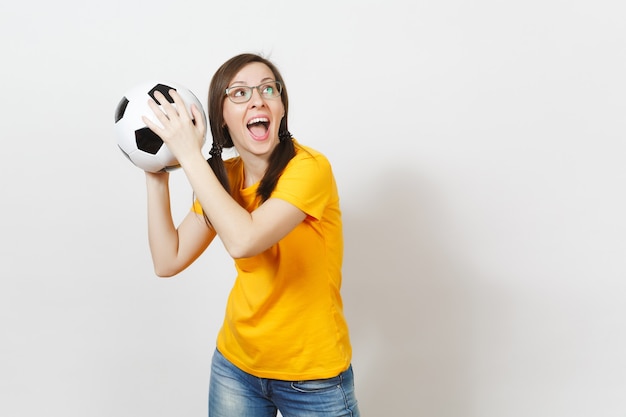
<point>238,92</point>
<point>269,89</point>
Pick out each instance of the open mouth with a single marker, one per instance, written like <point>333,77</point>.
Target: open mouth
<point>258,127</point>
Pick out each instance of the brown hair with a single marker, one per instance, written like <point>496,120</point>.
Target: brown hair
<point>281,154</point>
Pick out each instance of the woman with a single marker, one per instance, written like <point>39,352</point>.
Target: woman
<point>284,344</point>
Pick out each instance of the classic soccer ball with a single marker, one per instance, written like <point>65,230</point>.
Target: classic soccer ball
<point>141,146</point>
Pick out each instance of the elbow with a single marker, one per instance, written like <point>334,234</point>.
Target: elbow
<point>246,245</point>
<point>164,272</point>
<point>238,251</point>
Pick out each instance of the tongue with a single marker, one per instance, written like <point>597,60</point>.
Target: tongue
<point>257,129</point>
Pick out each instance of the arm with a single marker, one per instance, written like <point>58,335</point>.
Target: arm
<point>243,234</point>
<point>173,249</point>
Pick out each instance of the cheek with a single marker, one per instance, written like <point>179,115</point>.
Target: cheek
<point>280,112</point>
<point>231,117</point>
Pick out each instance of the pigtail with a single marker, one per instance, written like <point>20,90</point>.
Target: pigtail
<point>280,157</point>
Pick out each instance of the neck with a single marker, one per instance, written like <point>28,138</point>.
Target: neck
<point>253,169</point>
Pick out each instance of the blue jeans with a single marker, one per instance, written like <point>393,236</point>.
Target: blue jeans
<point>234,393</point>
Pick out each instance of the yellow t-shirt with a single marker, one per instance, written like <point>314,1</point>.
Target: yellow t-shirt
<point>284,316</point>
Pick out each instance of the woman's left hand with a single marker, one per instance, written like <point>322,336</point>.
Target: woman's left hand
<point>181,132</point>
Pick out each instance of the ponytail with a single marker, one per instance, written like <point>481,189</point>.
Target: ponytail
<point>279,159</point>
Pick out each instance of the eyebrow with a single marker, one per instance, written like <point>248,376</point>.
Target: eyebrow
<point>264,80</point>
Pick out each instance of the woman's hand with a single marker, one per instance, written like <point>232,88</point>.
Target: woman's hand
<point>181,132</point>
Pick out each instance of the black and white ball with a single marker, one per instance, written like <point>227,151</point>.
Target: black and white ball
<point>141,146</point>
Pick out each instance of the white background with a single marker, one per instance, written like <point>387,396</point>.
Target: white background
<point>479,150</point>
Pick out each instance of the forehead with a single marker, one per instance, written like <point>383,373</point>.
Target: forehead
<point>252,74</point>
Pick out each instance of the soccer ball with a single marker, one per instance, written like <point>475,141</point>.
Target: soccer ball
<point>141,146</point>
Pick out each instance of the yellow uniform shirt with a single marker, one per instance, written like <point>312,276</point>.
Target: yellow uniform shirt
<point>284,315</point>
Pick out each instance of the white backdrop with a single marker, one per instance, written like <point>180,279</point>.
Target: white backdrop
<point>479,149</point>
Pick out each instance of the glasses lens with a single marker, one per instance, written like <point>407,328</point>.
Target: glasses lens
<point>270,89</point>
<point>239,94</point>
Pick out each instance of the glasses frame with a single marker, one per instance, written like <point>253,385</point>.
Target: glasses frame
<point>250,89</point>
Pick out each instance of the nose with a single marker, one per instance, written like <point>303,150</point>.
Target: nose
<point>256,99</point>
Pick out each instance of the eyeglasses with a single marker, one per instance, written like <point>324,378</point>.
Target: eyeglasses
<point>242,93</point>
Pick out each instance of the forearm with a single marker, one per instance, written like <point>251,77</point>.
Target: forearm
<point>162,234</point>
<point>232,222</point>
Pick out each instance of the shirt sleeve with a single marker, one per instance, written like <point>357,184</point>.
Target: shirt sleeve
<point>306,183</point>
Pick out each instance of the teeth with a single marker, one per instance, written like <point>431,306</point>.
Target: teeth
<point>258,120</point>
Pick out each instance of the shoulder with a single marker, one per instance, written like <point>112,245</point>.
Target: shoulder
<point>305,155</point>
<point>308,170</point>
<point>307,182</point>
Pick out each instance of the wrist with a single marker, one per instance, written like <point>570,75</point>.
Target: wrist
<point>157,178</point>
<point>191,161</point>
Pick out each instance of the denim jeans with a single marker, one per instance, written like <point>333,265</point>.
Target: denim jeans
<point>234,393</point>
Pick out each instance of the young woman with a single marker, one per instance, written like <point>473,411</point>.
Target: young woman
<point>284,344</point>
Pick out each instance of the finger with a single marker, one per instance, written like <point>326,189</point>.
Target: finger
<point>181,108</point>
<point>165,106</point>
<point>159,112</point>
<point>198,118</point>
<point>160,125</point>
<point>153,126</point>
